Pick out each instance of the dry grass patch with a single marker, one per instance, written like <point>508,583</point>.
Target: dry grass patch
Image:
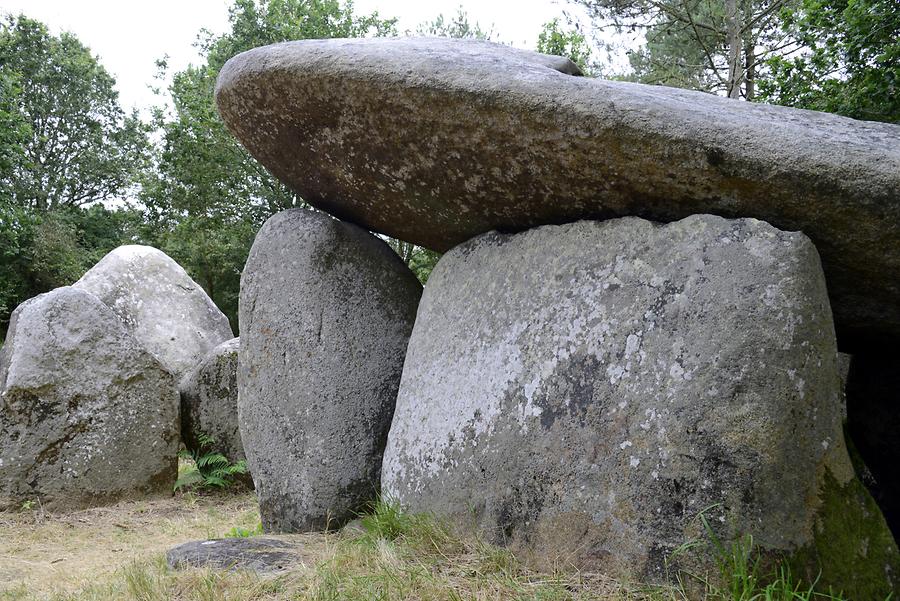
<point>117,553</point>
<point>42,554</point>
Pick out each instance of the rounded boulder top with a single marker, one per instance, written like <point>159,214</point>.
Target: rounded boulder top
<point>435,141</point>
<point>167,311</point>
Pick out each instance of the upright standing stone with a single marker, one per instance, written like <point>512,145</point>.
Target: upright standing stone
<point>167,311</point>
<point>585,391</point>
<point>209,397</point>
<point>326,312</point>
<point>87,416</point>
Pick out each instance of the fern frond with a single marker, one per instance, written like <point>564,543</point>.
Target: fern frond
<point>210,469</point>
<point>212,461</point>
<point>189,478</point>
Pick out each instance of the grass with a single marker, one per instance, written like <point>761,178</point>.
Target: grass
<point>42,554</point>
<point>117,553</point>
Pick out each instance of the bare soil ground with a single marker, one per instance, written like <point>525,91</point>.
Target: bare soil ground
<point>44,554</point>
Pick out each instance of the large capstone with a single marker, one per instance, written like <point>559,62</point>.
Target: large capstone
<point>87,416</point>
<point>167,311</point>
<point>435,141</point>
<point>326,311</point>
<point>583,392</point>
<point>209,398</point>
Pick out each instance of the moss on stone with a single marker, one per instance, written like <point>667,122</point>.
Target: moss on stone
<point>853,550</point>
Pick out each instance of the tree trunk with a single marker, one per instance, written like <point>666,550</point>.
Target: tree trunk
<point>749,70</point>
<point>749,51</point>
<point>735,44</point>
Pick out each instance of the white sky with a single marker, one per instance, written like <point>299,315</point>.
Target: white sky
<point>129,35</point>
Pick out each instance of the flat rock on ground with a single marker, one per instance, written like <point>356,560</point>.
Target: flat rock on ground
<point>583,392</point>
<point>87,415</point>
<point>167,311</point>
<point>435,141</point>
<point>259,554</point>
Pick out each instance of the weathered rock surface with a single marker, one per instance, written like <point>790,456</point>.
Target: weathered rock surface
<point>435,141</point>
<point>209,397</point>
<point>585,390</point>
<point>259,554</point>
<point>326,312</point>
<point>169,313</point>
<point>87,416</point>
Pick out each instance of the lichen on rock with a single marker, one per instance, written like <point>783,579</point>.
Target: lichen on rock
<point>583,392</point>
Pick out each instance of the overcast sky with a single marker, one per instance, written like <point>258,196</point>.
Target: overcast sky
<point>130,35</point>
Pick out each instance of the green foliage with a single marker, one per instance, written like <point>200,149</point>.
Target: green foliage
<point>696,44</point>
<point>386,521</point>
<point>259,22</point>
<point>238,532</point>
<point>839,56</point>
<point>457,26</point>
<point>42,250</point>
<point>572,44</point>
<point>76,145</point>
<point>852,66</point>
<point>674,55</point>
<point>420,260</point>
<point>14,131</point>
<point>65,146</point>
<point>206,196</point>
<point>206,469</point>
<point>740,575</point>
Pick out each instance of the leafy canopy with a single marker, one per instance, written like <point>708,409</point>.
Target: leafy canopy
<point>206,196</point>
<point>66,147</point>
<point>457,26</point>
<point>73,143</point>
<point>852,65</point>
<point>717,46</point>
<point>572,44</point>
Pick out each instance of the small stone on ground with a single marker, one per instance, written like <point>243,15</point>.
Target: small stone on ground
<point>257,554</point>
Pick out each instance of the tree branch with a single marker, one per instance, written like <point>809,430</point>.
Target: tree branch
<point>699,38</point>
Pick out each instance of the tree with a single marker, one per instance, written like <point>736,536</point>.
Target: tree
<point>80,147</point>
<point>206,196</point>
<point>572,44</point>
<point>457,27</point>
<point>43,250</point>
<point>852,65</point>
<point>14,132</point>
<point>65,147</point>
<point>711,45</point>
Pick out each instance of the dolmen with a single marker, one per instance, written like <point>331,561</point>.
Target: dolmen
<point>634,330</point>
<point>89,382</point>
